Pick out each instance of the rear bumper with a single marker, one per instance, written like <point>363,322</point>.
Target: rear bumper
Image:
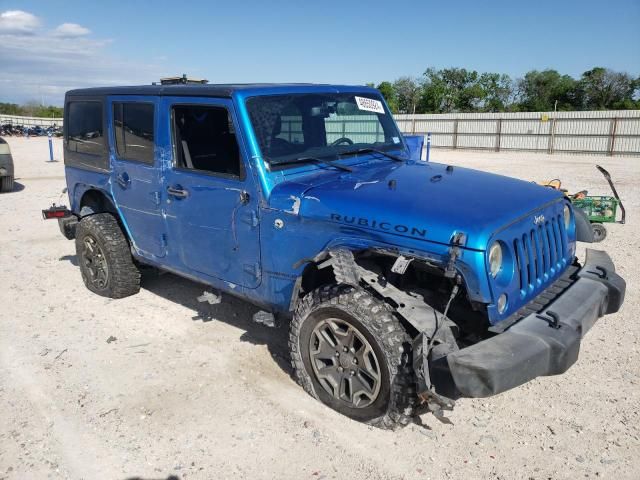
<point>546,343</point>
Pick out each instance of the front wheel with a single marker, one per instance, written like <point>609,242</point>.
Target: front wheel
<point>351,353</point>
<point>599,232</point>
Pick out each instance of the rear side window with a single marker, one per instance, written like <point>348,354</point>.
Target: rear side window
<point>134,133</point>
<point>85,130</point>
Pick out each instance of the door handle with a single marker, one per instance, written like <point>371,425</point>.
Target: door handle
<point>177,191</point>
<point>123,179</point>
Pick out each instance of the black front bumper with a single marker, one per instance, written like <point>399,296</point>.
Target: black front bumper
<point>544,343</point>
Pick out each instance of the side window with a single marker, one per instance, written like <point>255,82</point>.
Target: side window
<point>205,140</point>
<point>85,131</point>
<point>133,128</point>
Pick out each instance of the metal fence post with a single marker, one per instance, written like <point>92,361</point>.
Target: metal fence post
<point>455,133</point>
<point>428,144</point>
<point>498,132</point>
<point>552,139</point>
<point>612,141</point>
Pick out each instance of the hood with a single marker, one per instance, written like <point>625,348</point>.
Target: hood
<point>425,201</point>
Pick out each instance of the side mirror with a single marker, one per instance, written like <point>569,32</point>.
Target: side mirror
<point>415,144</point>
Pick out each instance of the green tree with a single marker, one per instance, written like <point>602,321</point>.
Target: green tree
<point>452,90</point>
<point>603,89</point>
<point>10,109</point>
<point>408,91</point>
<point>498,91</point>
<point>31,109</point>
<point>539,92</point>
<point>389,94</point>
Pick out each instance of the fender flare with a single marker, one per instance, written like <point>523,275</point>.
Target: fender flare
<point>584,232</point>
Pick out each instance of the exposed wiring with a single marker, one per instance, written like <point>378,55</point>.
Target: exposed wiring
<point>454,292</point>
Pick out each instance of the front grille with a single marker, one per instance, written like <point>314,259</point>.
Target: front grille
<point>540,254</point>
<point>542,301</point>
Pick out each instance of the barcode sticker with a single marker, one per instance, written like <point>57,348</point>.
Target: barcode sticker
<point>369,104</point>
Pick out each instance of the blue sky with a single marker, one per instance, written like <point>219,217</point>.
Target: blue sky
<point>51,46</point>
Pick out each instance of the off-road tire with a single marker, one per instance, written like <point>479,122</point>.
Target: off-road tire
<point>6,183</point>
<point>397,398</point>
<point>599,232</point>
<point>122,277</point>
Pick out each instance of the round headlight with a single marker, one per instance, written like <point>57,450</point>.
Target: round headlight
<point>495,259</point>
<point>502,303</point>
<point>567,216</point>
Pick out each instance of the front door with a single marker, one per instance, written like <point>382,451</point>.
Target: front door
<point>211,209</point>
<point>137,181</point>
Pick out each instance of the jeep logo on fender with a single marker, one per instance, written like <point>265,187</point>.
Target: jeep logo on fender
<point>378,225</point>
<point>538,219</point>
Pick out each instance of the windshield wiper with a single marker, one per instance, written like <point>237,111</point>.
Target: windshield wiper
<point>393,157</point>
<point>326,161</point>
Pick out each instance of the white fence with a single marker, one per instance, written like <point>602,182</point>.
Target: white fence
<point>615,132</point>
<point>596,132</point>
<point>18,120</point>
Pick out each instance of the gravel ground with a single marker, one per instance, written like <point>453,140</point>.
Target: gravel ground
<point>158,384</point>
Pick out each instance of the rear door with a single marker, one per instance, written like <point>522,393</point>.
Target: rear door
<point>212,207</point>
<point>137,181</point>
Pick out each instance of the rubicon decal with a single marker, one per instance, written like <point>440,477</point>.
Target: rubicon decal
<point>380,225</point>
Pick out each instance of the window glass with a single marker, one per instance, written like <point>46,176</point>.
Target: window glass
<point>290,124</point>
<point>361,127</point>
<point>290,128</point>
<point>133,127</point>
<point>205,140</point>
<point>85,131</point>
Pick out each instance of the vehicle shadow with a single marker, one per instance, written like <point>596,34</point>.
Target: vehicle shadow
<point>17,187</point>
<point>170,477</point>
<point>73,259</point>
<point>230,310</point>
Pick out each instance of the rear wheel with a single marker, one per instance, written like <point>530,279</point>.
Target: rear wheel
<point>599,232</point>
<point>104,257</point>
<point>6,183</point>
<point>351,353</point>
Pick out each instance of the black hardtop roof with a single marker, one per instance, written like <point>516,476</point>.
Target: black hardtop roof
<point>206,90</point>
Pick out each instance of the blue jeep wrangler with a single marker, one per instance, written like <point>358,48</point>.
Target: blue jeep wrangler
<point>407,284</point>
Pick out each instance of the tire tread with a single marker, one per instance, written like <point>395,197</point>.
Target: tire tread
<point>385,327</point>
<point>124,275</point>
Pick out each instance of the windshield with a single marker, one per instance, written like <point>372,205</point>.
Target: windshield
<point>291,128</point>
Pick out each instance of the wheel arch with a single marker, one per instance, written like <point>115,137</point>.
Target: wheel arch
<point>317,274</point>
<point>92,200</point>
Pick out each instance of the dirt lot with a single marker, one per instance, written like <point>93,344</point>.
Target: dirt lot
<point>158,384</point>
